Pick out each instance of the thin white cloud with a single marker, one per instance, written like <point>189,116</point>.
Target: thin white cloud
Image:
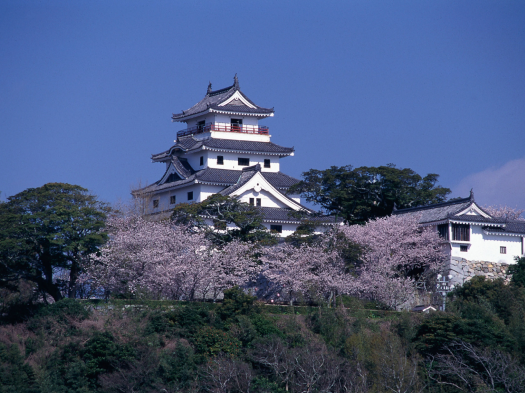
<point>497,186</point>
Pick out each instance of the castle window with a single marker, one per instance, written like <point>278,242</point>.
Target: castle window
<point>461,232</point>
<point>236,122</point>
<point>173,199</point>
<point>243,161</point>
<point>267,163</point>
<point>200,125</point>
<point>155,203</point>
<point>202,161</point>
<point>258,201</point>
<point>190,195</point>
<point>443,231</point>
<point>220,160</point>
<point>463,248</point>
<point>276,228</point>
<point>503,250</point>
<point>252,201</point>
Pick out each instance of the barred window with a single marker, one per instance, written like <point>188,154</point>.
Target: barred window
<point>503,250</point>
<point>463,248</point>
<point>443,231</point>
<point>461,232</point>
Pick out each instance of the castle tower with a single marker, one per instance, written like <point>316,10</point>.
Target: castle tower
<point>223,149</point>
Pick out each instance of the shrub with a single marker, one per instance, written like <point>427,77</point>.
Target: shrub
<point>210,342</point>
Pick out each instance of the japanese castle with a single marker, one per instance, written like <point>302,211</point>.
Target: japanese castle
<point>224,150</point>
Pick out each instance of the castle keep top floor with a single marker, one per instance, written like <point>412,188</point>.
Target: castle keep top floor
<point>225,114</point>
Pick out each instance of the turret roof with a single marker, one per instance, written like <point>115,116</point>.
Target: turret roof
<point>189,143</point>
<point>222,177</point>
<point>217,101</point>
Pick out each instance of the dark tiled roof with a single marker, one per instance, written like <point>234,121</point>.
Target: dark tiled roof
<point>188,143</point>
<point>439,211</point>
<point>289,215</point>
<point>279,179</point>
<point>449,211</point>
<point>225,177</point>
<point>475,218</point>
<point>229,144</point>
<point>242,180</point>
<point>511,227</point>
<point>182,166</point>
<point>213,99</point>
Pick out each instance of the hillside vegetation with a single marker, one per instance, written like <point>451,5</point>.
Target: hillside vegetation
<point>241,345</point>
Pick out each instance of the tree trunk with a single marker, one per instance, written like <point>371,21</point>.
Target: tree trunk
<point>73,277</point>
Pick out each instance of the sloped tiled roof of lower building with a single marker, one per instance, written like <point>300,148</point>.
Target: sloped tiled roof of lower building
<point>439,211</point>
<point>514,227</point>
<point>275,214</point>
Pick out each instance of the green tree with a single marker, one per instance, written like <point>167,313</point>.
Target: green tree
<point>47,232</point>
<point>359,194</point>
<point>223,211</point>
<point>518,272</point>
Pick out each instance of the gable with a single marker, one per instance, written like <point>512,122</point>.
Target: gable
<point>473,210</point>
<point>171,175</point>
<point>237,99</point>
<point>258,183</point>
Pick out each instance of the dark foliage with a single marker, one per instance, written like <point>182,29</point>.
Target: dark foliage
<point>48,229</point>
<point>360,194</point>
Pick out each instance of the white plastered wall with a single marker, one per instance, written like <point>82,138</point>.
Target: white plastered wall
<point>231,161</point>
<point>483,247</point>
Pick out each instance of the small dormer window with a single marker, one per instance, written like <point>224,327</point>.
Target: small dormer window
<point>267,163</point>
<point>220,160</point>
<point>252,200</point>
<point>243,161</point>
<point>258,201</point>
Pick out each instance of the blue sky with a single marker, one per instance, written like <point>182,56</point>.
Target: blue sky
<point>87,88</point>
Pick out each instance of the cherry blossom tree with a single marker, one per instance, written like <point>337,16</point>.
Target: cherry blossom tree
<point>500,211</point>
<point>167,261</point>
<point>308,269</point>
<point>395,251</point>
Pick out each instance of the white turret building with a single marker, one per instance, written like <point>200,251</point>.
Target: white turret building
<point>225,150</point>
<point>476,242</point>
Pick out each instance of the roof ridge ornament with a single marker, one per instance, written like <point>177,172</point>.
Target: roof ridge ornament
<point>236,82</point>
<point>471,195</point>
<point>209,89</point>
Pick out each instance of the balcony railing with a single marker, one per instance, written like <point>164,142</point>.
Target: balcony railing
<point>224,128</point>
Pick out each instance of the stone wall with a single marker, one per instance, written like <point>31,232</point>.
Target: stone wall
<point>462,270</point>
